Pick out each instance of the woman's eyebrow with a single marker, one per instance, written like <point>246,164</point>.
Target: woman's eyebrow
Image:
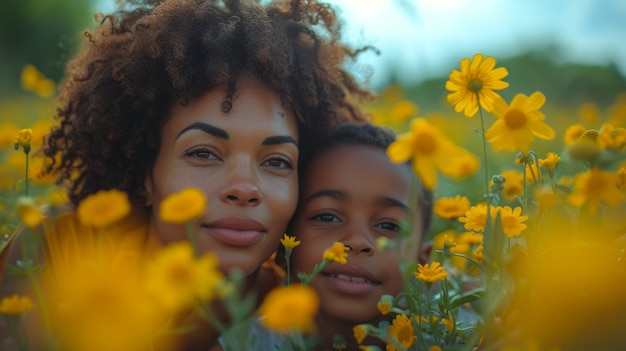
<point>279,139</point>
<point>207,128</point>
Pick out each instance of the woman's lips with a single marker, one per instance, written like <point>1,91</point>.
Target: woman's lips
<point>236,231</point>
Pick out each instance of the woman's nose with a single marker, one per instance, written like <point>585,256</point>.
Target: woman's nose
<point>243,194</point>
<point>242,188</point>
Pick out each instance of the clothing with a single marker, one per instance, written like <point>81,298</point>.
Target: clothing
<point>256,338</point>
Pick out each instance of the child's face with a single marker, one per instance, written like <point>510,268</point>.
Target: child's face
<point>245,163</point>
<point>354,195</point>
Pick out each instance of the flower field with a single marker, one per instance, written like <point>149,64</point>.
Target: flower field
<point>528,233</point>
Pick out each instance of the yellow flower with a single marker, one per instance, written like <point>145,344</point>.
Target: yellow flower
<point>621,178</point>
<point>444,238</point>
<point>448,323</point>
<point>35,81</point>
<point>288,308</point>
<point>476,218</point>
<point>15,304</point>
<point>105,306</point>
<point>595,186</point>
<point>518,123</point>
<point>474,83</point>
<point>24,138</point>
<point>57,196</point>
<point>430,274</point>
<point>35,172</point>
<point>338,253</point>
<point>403,110</point>
<point>451,207</point>
<point>470,238</point>
<point>513,185</point>
<point>182,206</point>
<point>431,152</point>
<point>29,212</point>
<point>289,242</point>
<point>402,330</point>
<point>589,112</point>
<point>573,133</point>
<point>360,333</point>
<point>103,208</point>
<point>478,254</point>
<point>611,137</point>
<point>8,131</point>
<point>175,278</point>
<point>384,304</point>
<point>434,348</point>
<point>550,161</point>
<point>512,221</point>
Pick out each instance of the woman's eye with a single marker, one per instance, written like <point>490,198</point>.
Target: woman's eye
<point>390,226</point>
<point>279,162</point>
<point>202,153</point>
<point>326,217</point>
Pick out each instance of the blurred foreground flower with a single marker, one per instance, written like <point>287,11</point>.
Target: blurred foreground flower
<point>175,278</point>
<point>572,309</point>
<point>475,83</point>
<point>290,308</point>
<point>594,187</point>
<point>29,211</point>
<point>36,82</point>
<point>518,123</point>
<point>103,208</point>
<point>431,151</point>
<point>15,304</point>
<point>182,206</point>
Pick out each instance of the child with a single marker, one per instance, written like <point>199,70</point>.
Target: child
<point>352,193</point>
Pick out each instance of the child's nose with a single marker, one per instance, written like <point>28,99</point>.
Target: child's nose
<point>360,241</point>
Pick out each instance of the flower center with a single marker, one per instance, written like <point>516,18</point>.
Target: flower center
<point>404,336</point>
<point>595,183</point>
<point>475,85</point>
<point>180,274</point>
<point>515,119</point>
<point>424,143</point>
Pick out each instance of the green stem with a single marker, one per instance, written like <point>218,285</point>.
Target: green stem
<point>41,301</point>
<point>26,175</point>
<point>192,238</point>
<point>524,204</point>
<point>318,268</point>
<point>287,256</point>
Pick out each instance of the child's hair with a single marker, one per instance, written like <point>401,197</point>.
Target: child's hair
<point>152,54</point>
<point>379,137</point>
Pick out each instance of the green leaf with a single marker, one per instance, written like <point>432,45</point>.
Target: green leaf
<point>468,296</point>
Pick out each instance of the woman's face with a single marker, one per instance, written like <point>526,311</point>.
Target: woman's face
<point>244,161</point>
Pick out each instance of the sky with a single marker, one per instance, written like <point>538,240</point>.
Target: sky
<point>420,39</point>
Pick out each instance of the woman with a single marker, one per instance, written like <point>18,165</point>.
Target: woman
<point>221,96</point>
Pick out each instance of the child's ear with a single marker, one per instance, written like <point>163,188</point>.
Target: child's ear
<point>423,255</point>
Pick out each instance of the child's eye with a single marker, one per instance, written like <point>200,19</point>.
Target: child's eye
<point>326,217</point>
<point>201,152</point>
<point>390,226</point>
<point>279,161</point>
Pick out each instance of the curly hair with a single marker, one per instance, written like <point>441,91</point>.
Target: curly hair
<point>149,55</point>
